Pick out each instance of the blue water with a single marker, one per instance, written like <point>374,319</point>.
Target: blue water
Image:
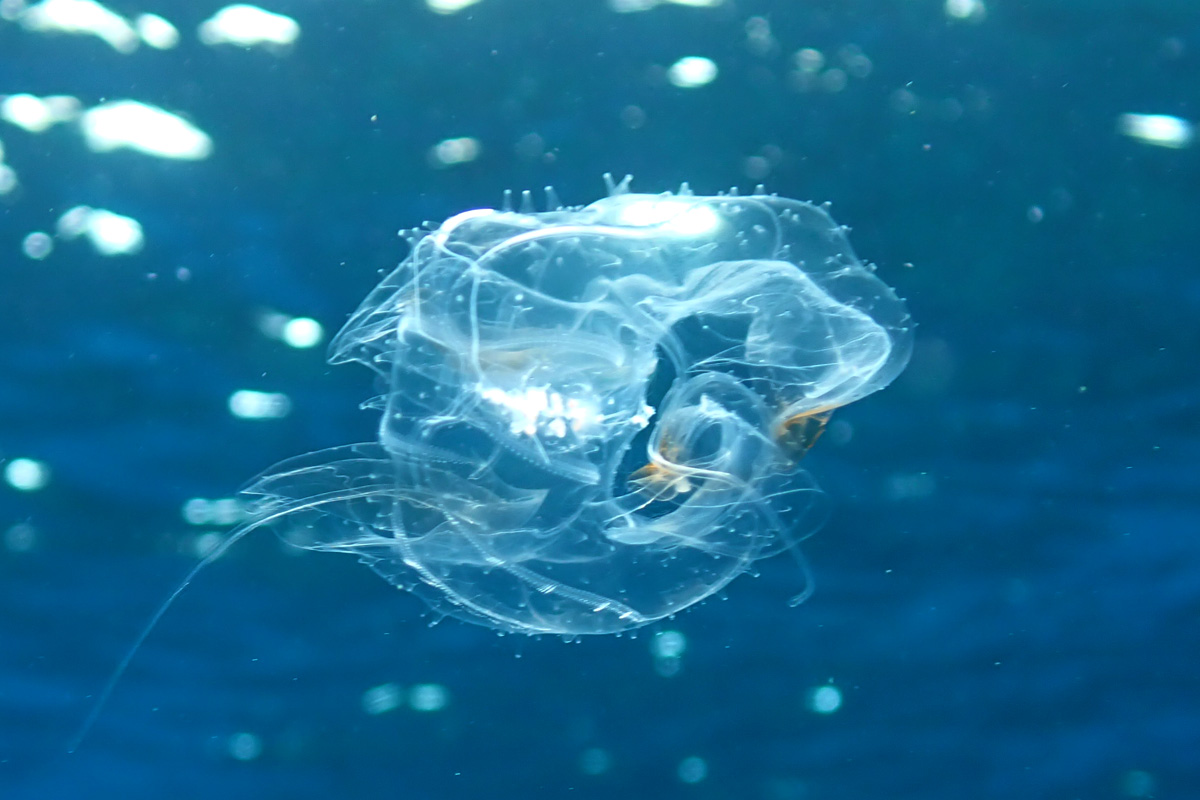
<point>1007,587</point>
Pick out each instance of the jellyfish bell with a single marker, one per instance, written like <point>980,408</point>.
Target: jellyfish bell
<point>529,356</point>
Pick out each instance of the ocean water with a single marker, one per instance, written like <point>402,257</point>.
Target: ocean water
<point>1005,591</point>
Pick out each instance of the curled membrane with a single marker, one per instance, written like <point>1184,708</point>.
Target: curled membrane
<point>592,416</point>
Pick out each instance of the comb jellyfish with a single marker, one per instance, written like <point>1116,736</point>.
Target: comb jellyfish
<point>592,416</point>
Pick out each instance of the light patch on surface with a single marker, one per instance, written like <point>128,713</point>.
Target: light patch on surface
<point>26,474</point>
<point>145,128</point>
<point>454,151</point>
<point>1138,783</point>
<point>633,6</point>
<point>809,59</point>
<point>832,80</point>
<point>668,644</point>
<point>298,332</point>
<point>910,486</point>
<point>973,10</point>
<point>595,761</point>
<point>249,26</point>
<point>759,38</point>
<point>756,167</point>
<point>220,511</point>
<point>825,699</point>
<point>668,648</point>
<point>428,697</point>
<point>157,31</point>
<point>302,333</point>
<point>1160,130</point>
<point>382,699</point>
<point>245,746</point>
<point>692,769</point>
<point>449,6</point>
<point>83,17</point>
<point>8,175</point>
<point>856,63</point>
<point>111,234</point>
<point>809,71</point>
<point>37,245</point>
<point>204,545</point>
<point>249,404</point>
<point>37,114</point>
<point>20,538</point>
<point>692,72</point>
<point>633,117</point>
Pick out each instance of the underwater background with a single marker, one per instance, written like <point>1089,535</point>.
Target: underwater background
<point>1007,591</point>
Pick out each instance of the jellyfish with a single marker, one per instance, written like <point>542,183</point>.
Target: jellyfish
<point>591,417</point>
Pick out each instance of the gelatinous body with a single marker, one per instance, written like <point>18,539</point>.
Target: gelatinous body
<point>592,416</point>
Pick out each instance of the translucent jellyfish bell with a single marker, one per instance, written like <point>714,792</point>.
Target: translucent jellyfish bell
<point>593,415</point>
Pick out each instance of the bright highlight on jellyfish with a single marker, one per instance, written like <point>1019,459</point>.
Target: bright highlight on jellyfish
<point>592,416</point>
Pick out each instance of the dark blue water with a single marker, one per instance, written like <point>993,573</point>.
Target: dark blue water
<point>1009,584</point>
